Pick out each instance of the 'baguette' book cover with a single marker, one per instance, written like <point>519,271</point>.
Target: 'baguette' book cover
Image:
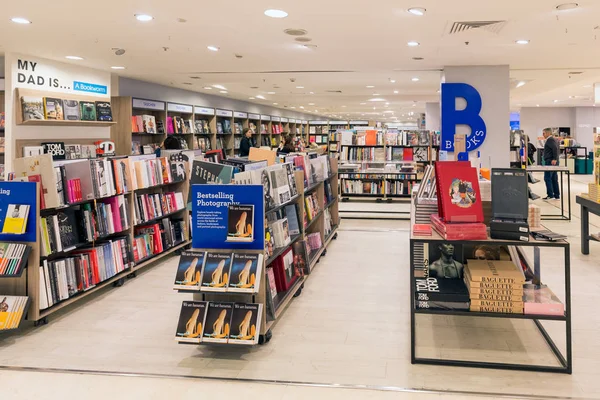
<point>245,323</point>
<point>215,277</point>
<point>245,273</point>
<point>191,322</point>
<point>240,223</point>
<point>189,271</point>
<point>494,271</point>
<point>218,322</point>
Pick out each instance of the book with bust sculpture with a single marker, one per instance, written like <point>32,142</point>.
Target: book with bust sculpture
<point>446,266</point>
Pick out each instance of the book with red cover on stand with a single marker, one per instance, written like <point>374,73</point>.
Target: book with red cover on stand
<point>459,198</point>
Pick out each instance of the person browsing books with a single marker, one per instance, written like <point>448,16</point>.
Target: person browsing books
<point>551,152</point>
<point>286,146</point>
<point>246,143</point>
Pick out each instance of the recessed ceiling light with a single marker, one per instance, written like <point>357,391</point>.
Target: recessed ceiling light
<point>415,79</point>
<point>293,107</point>
<point>566,6</point>
<point>301,106</point>
<point>19,20</point>
<point>212,48</point>
<point>376,99</point>
<point>195,77</point>
<point>362,104</point>
<point>260,96</point>
<point>275,104</point>
<point>556,101</point>
<point>375,94</point>
<point>395,92</point>
<point>343,106</point>
<point>537,105</point>
<point>521,83</point>
<point>311,92</point>
<point>522,41</point>
<point>207,88</point>
<point>420,11</point>
<point>144,17</point>
<point>295,32</point>
<point>117,67</point>
<point>412,43</point>
<point>223,91</point>
<point>370,87</point>
<point>251,98</point>
<point>299,87</point>
<point>270,92</point>
<point>392,81</point>
<point>276,13</point>
<point>219,87</point>
<point>74,57</point>
<point>311,104</point>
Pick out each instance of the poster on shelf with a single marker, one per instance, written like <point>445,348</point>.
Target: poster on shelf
<point>212,208</point>
<point>18,211</point>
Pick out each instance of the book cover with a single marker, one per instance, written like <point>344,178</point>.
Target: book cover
<point>445,260</point>
<point>245,273</point>
<point>445,290</point>
<point>32,107</point>
<point>510,194</point>
<point>15,221</point>
<point>245,323</point>
<point>541,300</point>
<point>189,270</point>
<point>68,228</point>
<point>53,108</point>
<point>191,321</point>
<point>459,195</point>
<point>240,221</point>
<point>218,322</point>
<point>87,110</point>
<point>71,110</point>
<point>292,217</point>
<point>494,271</point>
<point>209,172</point>
<point>442,305</point>
<point>215,276</point>
<point>32,151</point>
<point>301,252</point>
<point>55,149</point>
<point>491,309</point>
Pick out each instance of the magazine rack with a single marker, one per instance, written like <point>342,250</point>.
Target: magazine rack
<point>565,361</point>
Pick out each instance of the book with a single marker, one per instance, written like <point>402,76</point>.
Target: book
<point>189,270</point>
<point>13,258</point>
<point>459,197</point>
<point>53,108</point>
<point>510,194</point>
<point>494,271</point>
<point>67,228</point>
<point>55,149</point>
<point>218,322</point>
<point>442,305</point>
<point>301,251</point>
<point>15,221</point>
<point>245,273</point>
<point>32,151</point>
<point>240,221</point>
<point>215,276</point>
<point>540,300</point>
<point>245,323</point>
<point>493,309</point>
<point>71,110</point>
<point>191,321</point>
<point>444,290</point>
<point>209,172</point>
<point>32,108</point>
<point>87,110</point>
<point>12,309</point>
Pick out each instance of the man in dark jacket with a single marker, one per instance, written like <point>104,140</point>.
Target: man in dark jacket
<point>551,152</point>
<point>246,143</point>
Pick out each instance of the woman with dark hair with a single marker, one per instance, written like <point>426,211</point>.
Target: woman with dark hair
<point>246,143</point>
<point>286,146</point>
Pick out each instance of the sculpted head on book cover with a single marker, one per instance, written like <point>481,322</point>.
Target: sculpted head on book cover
<point>446,266</point>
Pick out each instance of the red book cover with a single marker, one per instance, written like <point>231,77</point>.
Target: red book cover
<point>70,191</point>
<point>459,194</point>
<point>38,178</point>
<point>407,154</point>
<point>371,138</point>
<point>444,165</point>
<point>79,194</point>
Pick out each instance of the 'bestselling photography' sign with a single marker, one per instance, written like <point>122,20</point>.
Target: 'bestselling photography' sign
<point>228,217</point>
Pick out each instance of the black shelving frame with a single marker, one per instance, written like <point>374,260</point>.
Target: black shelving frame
<point>565,360</point>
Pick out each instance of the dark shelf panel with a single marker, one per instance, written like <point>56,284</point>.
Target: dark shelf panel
<point>312,221</point>
<point>490,315</point>
<point>279,207</point>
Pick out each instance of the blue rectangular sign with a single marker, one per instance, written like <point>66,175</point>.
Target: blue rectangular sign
<point>89,87</point>
<point>18,194</point>
<point>228,217</point>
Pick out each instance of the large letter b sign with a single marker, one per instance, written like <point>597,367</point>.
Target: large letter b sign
<point>451,117</point>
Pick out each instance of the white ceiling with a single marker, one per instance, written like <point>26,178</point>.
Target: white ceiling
<point>359,43</point>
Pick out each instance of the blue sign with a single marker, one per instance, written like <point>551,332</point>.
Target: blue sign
<point>228,217</point>
<point>89,87</point>
<point>469,116</point>
<point>14,199</point>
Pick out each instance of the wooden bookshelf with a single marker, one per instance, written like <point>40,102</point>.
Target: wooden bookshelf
<point>51,122</point>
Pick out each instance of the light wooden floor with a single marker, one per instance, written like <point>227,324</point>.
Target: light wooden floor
<point>349,326</point>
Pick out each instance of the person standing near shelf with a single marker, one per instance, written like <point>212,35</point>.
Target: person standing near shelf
<point>246,143</point>
<point>551,152</point>
<point>286,146</point>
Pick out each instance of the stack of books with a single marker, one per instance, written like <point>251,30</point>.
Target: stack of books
<point>459,231</point>
<point>510,205</point>
<point>534,216</point>
<point>13,308</point>
<point>494,286</point>
<point>540,300</point>
<point>594,192</point>
<point>441,293</point>
<point>422,230</point>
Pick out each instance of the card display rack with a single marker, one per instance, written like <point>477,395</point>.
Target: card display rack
<point>317,225</point>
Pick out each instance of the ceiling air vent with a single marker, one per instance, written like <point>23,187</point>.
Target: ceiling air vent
<point>575,72</point>
<point>333,91</point>
<point>490,26</point>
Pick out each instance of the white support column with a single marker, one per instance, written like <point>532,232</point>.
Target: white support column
<point>432,116</point>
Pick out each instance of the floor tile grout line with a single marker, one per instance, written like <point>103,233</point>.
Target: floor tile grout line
<point>378,388</point>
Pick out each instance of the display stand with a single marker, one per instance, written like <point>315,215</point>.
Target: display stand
<point>565,150</point>
<point>587,206</point>
<point>561,170</point>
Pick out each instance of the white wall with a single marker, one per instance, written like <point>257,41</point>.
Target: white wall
<point>535,119</point>
<point>432,116</point>
<point>493,84</point>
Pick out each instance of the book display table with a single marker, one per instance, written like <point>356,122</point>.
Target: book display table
<point>564,214</point>
<point>419,266</point>
<point>587,206</point>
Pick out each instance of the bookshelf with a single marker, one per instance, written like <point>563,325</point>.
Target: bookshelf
<point>29,283</point>
<point>276,131</point>
<point>205,123</point>
<point>334,139</point>
<point>318,133</point>
<point>185,114</point>
<point>265,131</point>
<point>225,130</point>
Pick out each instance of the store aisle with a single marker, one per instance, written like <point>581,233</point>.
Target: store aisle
<point>349,326</point>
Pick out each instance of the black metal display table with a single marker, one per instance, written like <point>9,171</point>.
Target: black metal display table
<point>565,361</point>
<point>587,206</point>
<point>561,170</point>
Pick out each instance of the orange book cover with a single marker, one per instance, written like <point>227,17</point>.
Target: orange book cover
<point>371,138</point>
<point>134,127</point>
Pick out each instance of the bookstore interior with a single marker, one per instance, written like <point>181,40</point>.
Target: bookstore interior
<point>253,222</point>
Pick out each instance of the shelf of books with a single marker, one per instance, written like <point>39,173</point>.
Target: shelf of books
<point>205,124</point>
<point>100,219</point>
<point>242,284</point>
<point>265,131</point>
<point>318,133</point>
<point>276,131</point>
<point>461,266</point>
<point>334,140</point>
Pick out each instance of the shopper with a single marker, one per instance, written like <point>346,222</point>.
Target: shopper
<point>246,143</point>
<point>551,152</point>
<point>286,146</point>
